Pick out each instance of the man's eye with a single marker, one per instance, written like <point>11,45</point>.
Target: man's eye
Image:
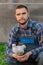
<point>21,13</point>
<point>18,14</point>
<point>24,13</point>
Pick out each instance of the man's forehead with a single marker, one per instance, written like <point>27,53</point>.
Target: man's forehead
<point>21,10</point>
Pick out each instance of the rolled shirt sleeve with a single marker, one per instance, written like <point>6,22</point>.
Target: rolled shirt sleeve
<point>39,33</point>
<point>12,39</point>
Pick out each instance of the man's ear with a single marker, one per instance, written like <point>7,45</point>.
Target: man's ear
<point>29,14</point>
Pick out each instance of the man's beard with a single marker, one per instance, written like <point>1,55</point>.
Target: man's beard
<point>23,23</point>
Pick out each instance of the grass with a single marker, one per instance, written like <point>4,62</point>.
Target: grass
<point>3,54</point>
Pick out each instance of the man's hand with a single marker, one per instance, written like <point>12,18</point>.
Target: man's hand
<point>22,58</point>
<point>25,57</point>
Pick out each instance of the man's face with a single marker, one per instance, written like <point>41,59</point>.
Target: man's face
<point>22,15</point>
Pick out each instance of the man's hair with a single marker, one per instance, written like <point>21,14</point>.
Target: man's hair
<point>21,6</point>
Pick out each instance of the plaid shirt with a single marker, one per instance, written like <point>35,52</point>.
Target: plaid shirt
<point>38,31</point>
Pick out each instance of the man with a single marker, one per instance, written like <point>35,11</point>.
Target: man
<point>31,32</point>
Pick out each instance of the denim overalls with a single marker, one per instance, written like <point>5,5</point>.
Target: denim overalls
<point>30,42</point>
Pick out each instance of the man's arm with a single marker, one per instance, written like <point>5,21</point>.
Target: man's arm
<point>40,39</point>
<point>12,39</point>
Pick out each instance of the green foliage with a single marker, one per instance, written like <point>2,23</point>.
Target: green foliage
<point>3,54</point>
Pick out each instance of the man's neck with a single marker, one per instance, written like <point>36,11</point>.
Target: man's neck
<point>24,26</point>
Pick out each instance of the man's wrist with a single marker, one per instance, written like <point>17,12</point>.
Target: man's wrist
<point>30,52</point>
<point>12,55</point>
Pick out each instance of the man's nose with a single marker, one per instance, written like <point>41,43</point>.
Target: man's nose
<point>21,15</point>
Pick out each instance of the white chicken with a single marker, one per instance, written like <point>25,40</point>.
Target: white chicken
<point>18,49</point>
